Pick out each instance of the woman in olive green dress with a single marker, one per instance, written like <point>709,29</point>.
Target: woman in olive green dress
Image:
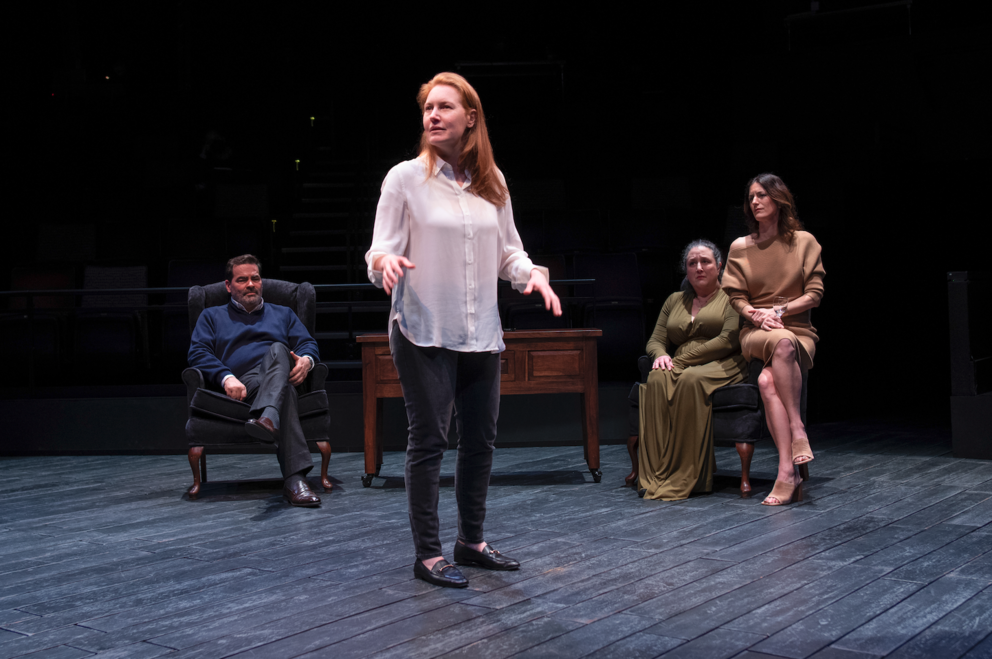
<point>695,350</point>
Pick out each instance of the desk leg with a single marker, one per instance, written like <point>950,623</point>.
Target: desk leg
<point>378,434</point>
<point>589,402</point>
<point>370,405</point>
<point>590,432</point>
<point>373,445</point>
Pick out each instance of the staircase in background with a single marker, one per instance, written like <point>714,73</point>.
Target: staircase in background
<point>323,241</point>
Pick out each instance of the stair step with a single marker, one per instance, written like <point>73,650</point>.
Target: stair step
<point>333,200</point>
<point>312,268</point>
<point>329,185</point>
<point>362,308</point>
<point>336,166</point>
<point>331,336</point>
<point>322,216</point>
<point>319,232</point>
<point>313,250</point>
<point>320,169</point>
<point>344,364</point>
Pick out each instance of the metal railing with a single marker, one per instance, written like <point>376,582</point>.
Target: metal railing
<point>30,310</point>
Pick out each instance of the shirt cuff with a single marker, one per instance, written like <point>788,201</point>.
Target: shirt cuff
<point>224,379</point>
<point>521,285</point>
<point>375,276</point>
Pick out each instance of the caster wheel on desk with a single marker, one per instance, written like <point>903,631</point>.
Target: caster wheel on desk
<point>597,475</point>
<point>367,480</point>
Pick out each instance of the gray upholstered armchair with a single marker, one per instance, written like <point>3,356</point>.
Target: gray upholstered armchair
<point>217,421</point>
<point>738,417</point>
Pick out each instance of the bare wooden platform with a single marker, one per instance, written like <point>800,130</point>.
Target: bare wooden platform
<point>888,556</point>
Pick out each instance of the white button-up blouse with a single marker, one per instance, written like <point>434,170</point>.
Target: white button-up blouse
<point>460,244</point>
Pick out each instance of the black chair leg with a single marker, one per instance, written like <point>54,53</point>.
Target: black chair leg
<point>746,451</point>
<point>198,463</point>
<point>632,446</point>
<point>325,458</point>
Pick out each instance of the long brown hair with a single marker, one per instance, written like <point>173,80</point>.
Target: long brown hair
<point>477,153</point>
<point>788,221</point>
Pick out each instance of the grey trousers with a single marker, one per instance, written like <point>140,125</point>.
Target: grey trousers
<point>435,381</point>
<point>268,386</point>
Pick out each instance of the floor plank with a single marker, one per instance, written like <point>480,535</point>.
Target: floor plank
<point>889,555</point>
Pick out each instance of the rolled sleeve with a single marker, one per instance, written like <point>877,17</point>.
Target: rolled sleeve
<point>515,265</point>
<point>813,271</point>
<point>391,234</point>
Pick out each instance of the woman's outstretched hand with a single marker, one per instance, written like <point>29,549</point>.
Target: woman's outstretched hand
<point>664,363</point>
<point>538,282</point>
<point>392,266</point>
<point>766,319</point>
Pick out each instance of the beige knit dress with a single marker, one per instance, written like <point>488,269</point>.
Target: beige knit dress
<point>676,442</point>
<point>759,272</point>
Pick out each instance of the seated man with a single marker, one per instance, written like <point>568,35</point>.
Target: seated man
<point>258,353</point>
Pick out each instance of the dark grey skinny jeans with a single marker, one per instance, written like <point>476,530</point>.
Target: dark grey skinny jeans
<point>434,381</point>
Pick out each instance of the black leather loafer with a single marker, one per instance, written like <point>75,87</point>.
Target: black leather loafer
<point>301,495</point>
<point>442,574</point>
<point>262,429</point>
<point>488,558</point>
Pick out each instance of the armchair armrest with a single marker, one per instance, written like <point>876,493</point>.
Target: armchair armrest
<point>317,377</point>
<point>194,380</point>
<point>314,381</point>
<point>644,366</point>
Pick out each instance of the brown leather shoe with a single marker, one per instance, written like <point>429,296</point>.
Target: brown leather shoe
<point>262,429</point>
<point>301,495</point>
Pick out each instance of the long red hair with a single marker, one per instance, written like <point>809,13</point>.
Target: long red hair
<point>477,152</point>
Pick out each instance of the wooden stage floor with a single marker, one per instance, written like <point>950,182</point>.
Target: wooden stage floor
<point>888,556</point>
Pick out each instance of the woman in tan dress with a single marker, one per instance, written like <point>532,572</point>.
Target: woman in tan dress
<point>695,349</point>
<point>774,277</point>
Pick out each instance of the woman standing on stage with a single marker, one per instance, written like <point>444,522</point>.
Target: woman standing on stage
<point>774,277</point>
<point>444,233</point>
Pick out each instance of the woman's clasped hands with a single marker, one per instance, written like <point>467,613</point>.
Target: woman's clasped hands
<point>766,319</point>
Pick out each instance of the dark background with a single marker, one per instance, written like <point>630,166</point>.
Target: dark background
<point>877,120</point>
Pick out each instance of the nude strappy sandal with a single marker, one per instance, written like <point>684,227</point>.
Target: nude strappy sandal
<point>801,452</point>
<point>783,493</point>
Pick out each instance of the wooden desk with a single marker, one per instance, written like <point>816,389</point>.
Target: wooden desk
<point>535,362</point>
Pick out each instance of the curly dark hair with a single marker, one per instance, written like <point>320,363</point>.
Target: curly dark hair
<point>244,259</point>
<point>717,255</point>
<point>788,221</point>
<point>686,287</point>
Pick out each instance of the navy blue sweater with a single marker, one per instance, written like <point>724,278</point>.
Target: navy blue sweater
<point>228,340</point>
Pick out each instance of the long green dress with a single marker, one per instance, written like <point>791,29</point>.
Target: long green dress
<point>676,445</point>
